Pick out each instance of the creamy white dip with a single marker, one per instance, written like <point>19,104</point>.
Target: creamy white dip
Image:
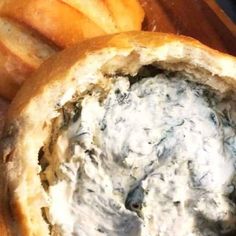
<point>153,158</point>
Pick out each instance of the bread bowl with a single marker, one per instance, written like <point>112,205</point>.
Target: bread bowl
<point>126,134</point>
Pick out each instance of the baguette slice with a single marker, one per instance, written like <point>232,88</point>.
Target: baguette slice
<point>21,52</point>
<point>128,15</point>
<point>96,11</point>
<point>68,76</point>
<point>57,21</point>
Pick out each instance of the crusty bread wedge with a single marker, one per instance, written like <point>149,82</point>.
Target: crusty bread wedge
<point>55,20</point>
<point>25,43</point>
<point>128,15</point>
<point>97,11</point>
<point>21,51</point>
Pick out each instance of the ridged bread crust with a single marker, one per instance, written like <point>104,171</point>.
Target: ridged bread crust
<point>22,50</point>
<point>73,71</point>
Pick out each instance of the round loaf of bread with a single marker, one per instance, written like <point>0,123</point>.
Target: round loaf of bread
<point>125,134</point>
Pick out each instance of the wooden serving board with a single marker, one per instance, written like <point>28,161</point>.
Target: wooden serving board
<point>200,19</point>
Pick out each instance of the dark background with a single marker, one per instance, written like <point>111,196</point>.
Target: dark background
<point>229,6</point>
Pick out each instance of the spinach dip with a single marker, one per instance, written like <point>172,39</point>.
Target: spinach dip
<point>155,156</point>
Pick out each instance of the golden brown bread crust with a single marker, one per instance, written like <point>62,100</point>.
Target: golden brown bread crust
<point>22,50</point>
<point>132,14</point>
<point>36,104</point>
<point>96,11</point>
<point>12,72</point>
<point>26,43</point>
<point>57,21</point>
